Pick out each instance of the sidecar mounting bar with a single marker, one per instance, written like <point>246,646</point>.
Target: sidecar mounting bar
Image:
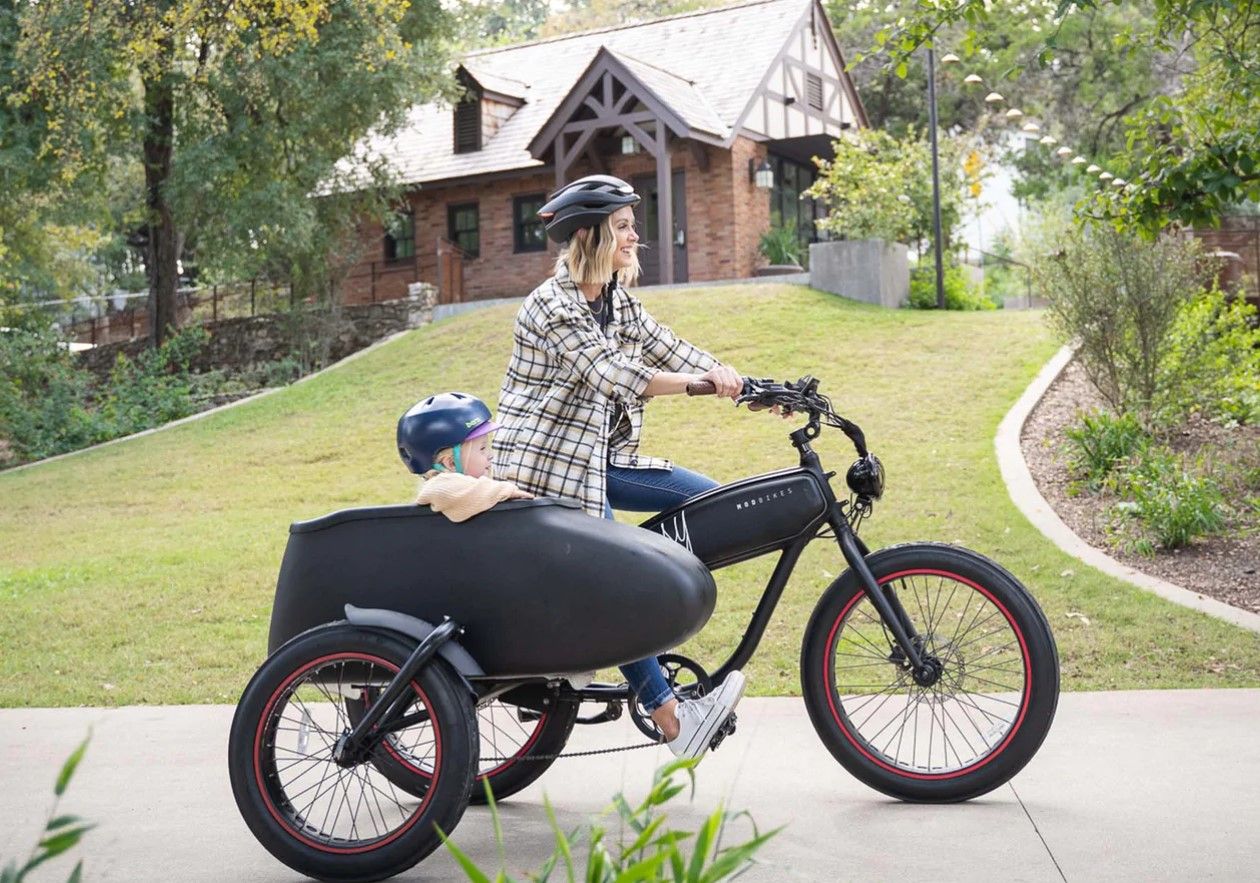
<point>356,743</point>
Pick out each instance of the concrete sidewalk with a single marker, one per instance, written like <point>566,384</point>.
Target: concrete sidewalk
<point>1128,786</point>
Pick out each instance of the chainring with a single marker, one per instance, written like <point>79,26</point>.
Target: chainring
<point>686,677</point>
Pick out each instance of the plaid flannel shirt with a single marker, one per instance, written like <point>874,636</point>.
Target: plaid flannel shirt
<point>564,379</point>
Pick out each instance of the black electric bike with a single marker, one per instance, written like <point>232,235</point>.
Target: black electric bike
<point>928,671</point>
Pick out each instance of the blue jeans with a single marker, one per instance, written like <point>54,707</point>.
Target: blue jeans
<point>650,490</point>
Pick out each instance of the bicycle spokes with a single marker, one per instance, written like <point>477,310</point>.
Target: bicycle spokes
<point>965,711</point>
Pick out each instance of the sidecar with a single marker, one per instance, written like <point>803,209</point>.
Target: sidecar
<point>539,586</point>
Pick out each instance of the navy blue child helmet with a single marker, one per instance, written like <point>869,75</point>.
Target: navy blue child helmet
<point>440,421</point>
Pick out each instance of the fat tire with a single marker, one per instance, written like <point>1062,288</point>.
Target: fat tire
<point>1038,651</point>
<point>453,721</point>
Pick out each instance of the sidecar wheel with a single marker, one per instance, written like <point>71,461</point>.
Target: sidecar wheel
<point>335,822</point>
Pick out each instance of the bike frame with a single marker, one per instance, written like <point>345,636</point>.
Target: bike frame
<point>851,547</point>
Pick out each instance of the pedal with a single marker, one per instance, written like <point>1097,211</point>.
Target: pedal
<point>727,728</point>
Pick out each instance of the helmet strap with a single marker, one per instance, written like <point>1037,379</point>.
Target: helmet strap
<point>459,467</point>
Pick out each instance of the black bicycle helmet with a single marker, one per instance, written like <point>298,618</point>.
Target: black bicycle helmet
<point>584,203</point>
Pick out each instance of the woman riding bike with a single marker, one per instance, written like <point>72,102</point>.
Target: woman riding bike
<point>585,357</point>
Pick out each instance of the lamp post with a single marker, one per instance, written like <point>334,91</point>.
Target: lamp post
<point>936,183</point>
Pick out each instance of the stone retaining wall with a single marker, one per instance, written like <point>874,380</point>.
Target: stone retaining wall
<point>332,333</point>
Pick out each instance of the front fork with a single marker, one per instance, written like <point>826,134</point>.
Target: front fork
<point>925,669</point>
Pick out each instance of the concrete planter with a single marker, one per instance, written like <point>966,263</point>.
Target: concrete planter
<point>870,270</point>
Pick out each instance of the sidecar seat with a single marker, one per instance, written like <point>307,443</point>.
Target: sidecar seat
<point>539,586</point>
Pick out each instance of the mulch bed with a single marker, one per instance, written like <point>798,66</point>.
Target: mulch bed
<point>1225,567</point>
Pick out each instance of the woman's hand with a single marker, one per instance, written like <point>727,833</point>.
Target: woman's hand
<point>726,380</point>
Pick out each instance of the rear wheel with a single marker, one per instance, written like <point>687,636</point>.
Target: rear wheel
<point>511,738</point>
<point>979,722</point>
<point>346,822</point>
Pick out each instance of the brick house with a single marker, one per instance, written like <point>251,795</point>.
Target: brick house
<point>713,116</point>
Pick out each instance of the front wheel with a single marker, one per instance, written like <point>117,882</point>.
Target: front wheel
<point>979,722</point>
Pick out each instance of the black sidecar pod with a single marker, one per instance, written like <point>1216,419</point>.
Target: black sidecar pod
<point>539,586</point>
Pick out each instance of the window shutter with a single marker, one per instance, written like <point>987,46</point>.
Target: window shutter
<point>813,91</point>
<point>468,125</point>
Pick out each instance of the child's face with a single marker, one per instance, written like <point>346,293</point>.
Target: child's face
<point>474,456</point>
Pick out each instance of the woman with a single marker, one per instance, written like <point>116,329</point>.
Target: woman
<point>585,356</point>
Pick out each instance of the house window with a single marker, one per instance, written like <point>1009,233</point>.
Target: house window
<point>463,225</point>
<point>468,124</point>
<point>528,231</point>
<point>400,236</point>
<point>791,179</point>
<point>813,91</point>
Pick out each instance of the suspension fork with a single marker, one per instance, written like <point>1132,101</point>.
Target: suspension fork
<point>886,603</point>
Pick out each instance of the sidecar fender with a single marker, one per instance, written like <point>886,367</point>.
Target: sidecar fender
<point>414,627</point>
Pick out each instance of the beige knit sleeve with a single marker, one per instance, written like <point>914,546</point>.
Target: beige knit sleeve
<point>460,497</point>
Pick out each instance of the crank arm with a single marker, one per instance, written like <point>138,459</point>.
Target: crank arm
<point>612,711</point>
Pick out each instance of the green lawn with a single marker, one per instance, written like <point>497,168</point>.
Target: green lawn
<point>143,572</point>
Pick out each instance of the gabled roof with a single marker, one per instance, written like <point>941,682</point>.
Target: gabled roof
<point>705,65</point>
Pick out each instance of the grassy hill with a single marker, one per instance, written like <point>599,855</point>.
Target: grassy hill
<point>143,571</point>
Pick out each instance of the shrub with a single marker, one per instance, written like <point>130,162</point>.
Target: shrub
<point>1101,443</point>
<point>1117,298</point>
<point>656,853</point>
<point>1174,504</point>
<point>1212,362</point>
<point>780,245</point>
<point>156,387</point>
<point>44,396</point>
<point>959,295</point>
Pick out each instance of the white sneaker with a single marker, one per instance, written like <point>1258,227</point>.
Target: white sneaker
<point>699,719</point>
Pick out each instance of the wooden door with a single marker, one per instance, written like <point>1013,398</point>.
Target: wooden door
<point>646,215</point>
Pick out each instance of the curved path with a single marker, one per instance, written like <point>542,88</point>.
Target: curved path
<point>1024,493</point>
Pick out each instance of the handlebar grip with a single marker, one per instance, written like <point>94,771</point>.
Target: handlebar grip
<point>701,388</point>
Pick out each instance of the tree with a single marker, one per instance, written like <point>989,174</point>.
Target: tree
<point>1190,153</point>
<point>1084,89</point>
<point>237,110</point>
<point>881,186</point>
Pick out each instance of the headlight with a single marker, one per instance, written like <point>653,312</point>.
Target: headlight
<point>866,477</point>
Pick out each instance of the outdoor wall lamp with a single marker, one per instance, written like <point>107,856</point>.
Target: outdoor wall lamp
<point>629,145</point>
<point>761,175</point>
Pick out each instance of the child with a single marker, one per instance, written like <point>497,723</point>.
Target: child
<point>446,439</point>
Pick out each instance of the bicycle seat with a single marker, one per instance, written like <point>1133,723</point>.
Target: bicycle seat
<point>538,585</point>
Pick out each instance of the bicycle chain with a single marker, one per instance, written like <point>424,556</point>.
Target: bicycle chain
<point>537,757</point>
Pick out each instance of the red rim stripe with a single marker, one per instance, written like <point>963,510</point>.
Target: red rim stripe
<point>829,679</point>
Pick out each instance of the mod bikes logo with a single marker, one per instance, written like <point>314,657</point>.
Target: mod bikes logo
<point>763,498</point>
<point>676,529</point>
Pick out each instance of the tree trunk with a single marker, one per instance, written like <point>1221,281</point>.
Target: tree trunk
<point>159,148</point>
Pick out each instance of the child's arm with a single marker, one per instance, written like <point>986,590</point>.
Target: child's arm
<point>460,497</point>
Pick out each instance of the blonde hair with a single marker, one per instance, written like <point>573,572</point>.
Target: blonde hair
<point>590,256</point>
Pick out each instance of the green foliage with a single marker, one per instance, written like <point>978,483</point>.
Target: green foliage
<point>1173,502</point>
<point>222,119</point>
<point>44,396</point>
<point>1188,156</point>
<point>959,295</point>
<point>879,186</point>
<point>1102,444</point>
<point>50,405</point>
<point>61,833</point>
<point>781,245</point>
<point>1117,298</point>
<point>1211,361</point>
<point>654,852</point>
